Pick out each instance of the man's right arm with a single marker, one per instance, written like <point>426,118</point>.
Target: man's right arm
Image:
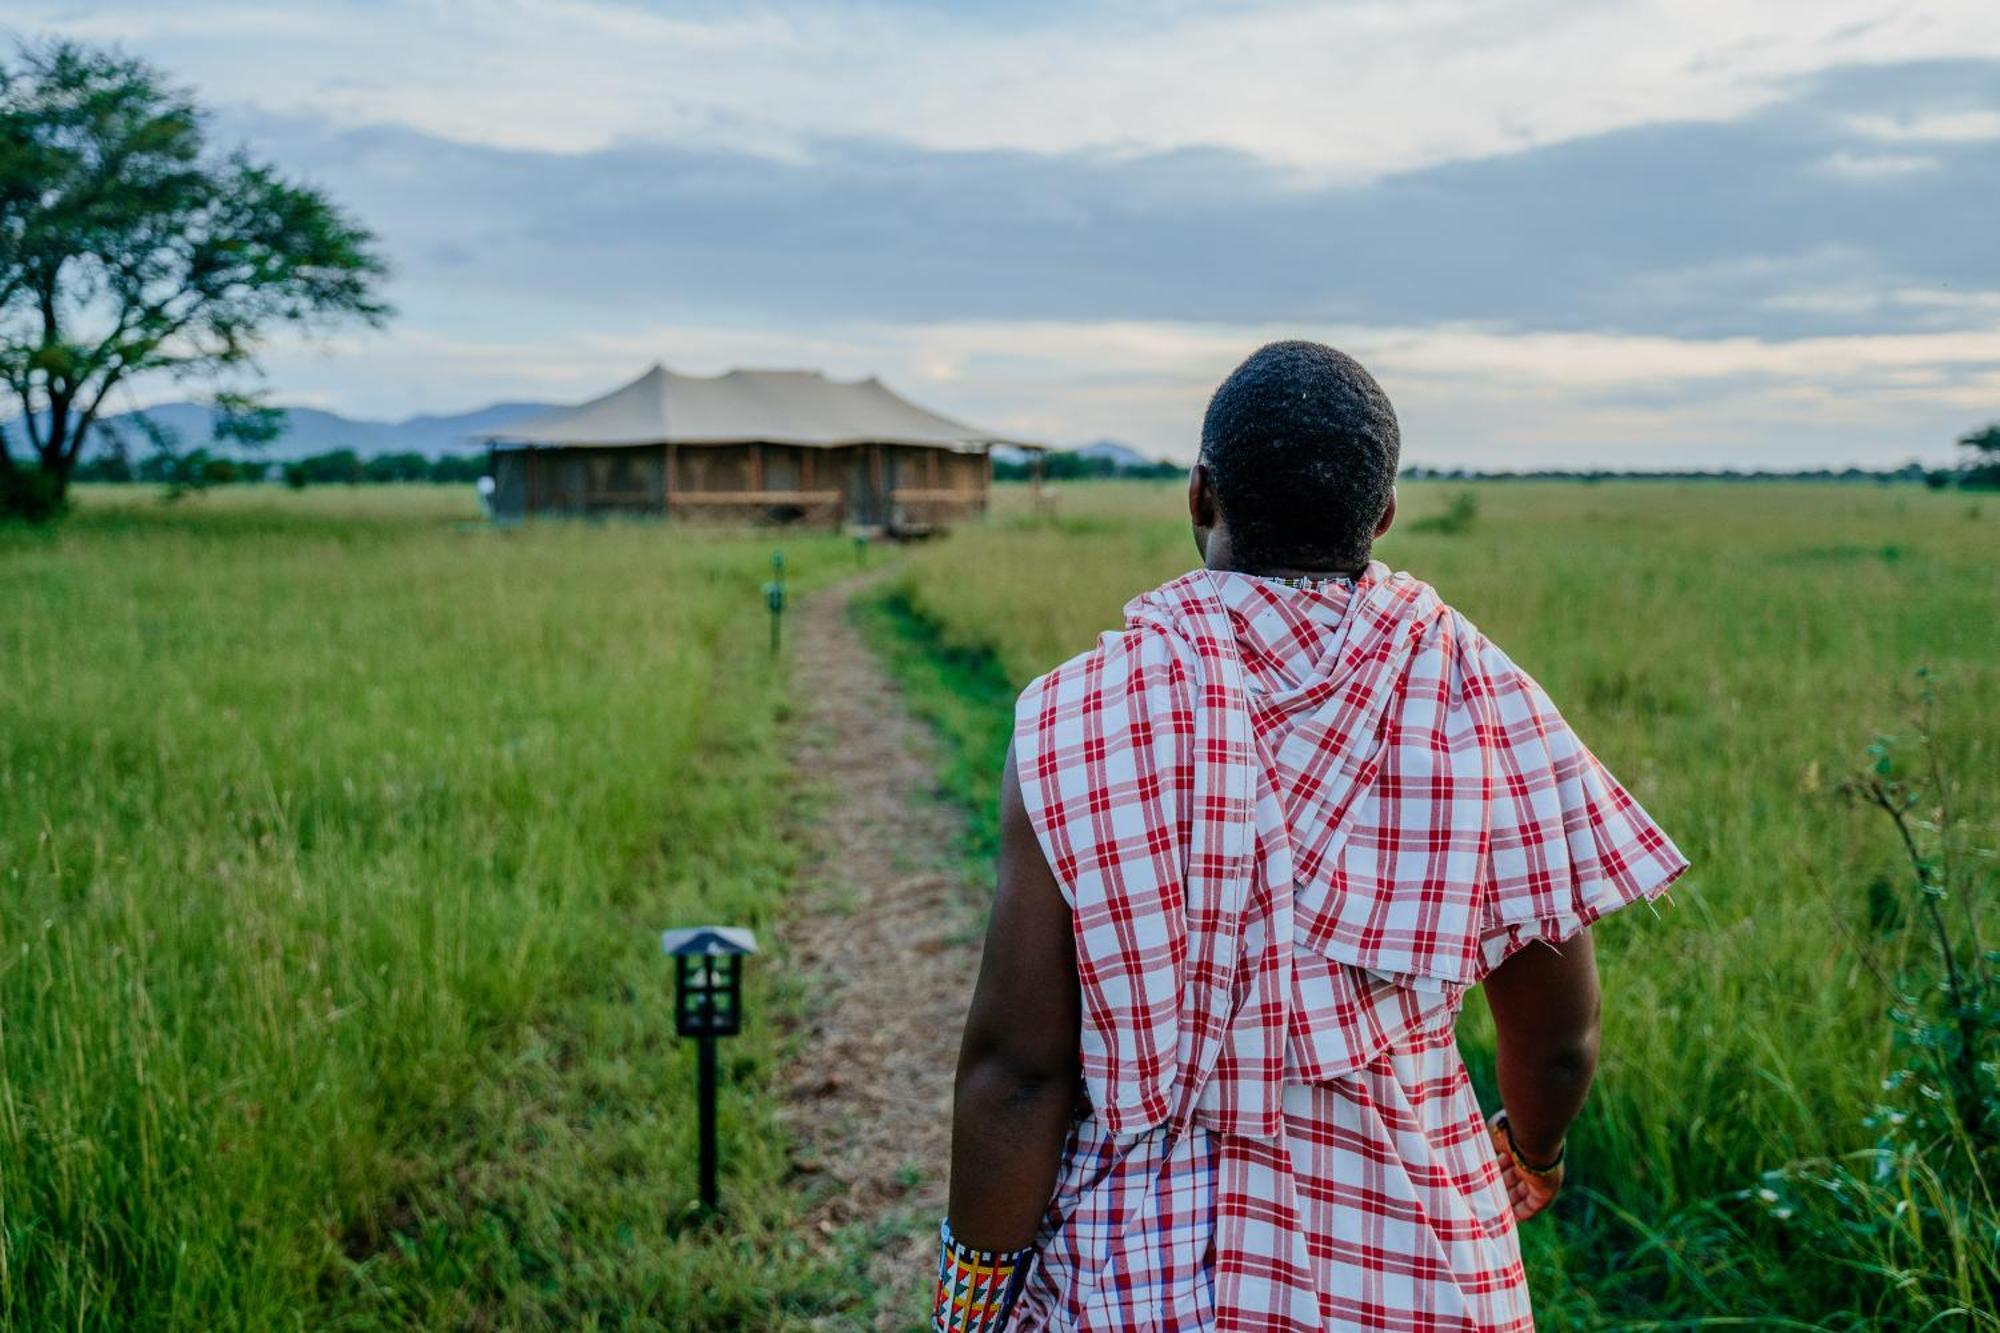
<point>1018,1064</point>
<point>1545,1010</point>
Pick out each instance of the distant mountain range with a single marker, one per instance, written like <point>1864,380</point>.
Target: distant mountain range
<point>308,430</point>
<point>1122,457</point>
<point>1119,456</point>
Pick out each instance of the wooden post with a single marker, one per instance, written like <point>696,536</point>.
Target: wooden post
<point>756,467</point>
<point>808,477</point>
<point>878,476</point>
<point>673,477</point>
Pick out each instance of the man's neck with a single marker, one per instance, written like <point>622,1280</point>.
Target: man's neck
<point>1287,571</point>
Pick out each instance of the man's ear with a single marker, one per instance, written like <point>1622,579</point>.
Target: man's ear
<point>1388,519</point>
<point>1201,497</point>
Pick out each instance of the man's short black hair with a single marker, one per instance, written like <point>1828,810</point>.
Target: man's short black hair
<point>1301,447</point>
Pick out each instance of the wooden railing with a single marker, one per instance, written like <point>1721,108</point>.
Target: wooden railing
<point>915,510</point>
<point>764,498</point>
<point>914,507</point>
<point>753,506</point>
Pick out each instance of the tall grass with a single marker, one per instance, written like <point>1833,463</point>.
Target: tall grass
<point>334,834</point>
<point>1729,650</point>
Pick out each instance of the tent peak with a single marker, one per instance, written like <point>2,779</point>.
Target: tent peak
<point>765,372</point>
<point>798,406</point>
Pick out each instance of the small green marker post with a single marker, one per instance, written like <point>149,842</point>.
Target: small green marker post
<point>774,598</point>
<point>860,548</point>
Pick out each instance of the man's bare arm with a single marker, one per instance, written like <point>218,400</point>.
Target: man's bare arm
<point>1017,1064</point>
<point>1545,1010</point>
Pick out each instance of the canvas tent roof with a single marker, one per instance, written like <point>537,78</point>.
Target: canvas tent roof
<point>800,407</point>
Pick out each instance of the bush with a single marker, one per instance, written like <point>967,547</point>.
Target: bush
<point>338,465</point>
<point>1920,1202</point>
<point>396,467</point>
<point>1455,521</point>
<point>346,467</point>
<point>110,465</point>
<point>459,468</point>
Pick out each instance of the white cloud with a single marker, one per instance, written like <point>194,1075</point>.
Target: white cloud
<point>1869,168</point>
<point>1347,89</point>
<point>1869,301</point>
<point>1327,90</point>
<point>1944,298</point>
<point>1467,395</point>
<point>1970,126</point>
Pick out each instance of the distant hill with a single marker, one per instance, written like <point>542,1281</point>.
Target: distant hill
<point>309,430</point>
<point>1101,458</point>
<point>1121,456</point>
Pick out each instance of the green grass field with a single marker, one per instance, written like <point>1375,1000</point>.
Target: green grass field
<point>335,829</point>
<point>335,834</point>
<point>1731,651</point>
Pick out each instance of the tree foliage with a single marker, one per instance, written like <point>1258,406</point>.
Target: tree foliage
<point>129,247</point>
<point>1983,472</point>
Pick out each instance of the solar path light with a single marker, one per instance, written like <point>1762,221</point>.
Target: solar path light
<point>708,1003</point>
<point>774,596</point>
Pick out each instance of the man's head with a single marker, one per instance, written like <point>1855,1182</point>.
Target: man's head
<point>1298,463</point>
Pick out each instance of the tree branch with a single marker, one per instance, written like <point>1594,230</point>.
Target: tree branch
<point>22,382</point>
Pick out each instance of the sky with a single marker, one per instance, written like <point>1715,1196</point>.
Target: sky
<point>1651,233</point>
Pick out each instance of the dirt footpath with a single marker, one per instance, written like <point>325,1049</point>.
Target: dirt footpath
<point>885,934</point>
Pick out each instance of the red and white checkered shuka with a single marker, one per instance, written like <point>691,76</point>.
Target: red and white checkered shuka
<point>1295,825</point>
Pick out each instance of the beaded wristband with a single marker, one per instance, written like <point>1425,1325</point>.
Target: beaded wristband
<point>1526,1167</point>
<point>976,1288</point>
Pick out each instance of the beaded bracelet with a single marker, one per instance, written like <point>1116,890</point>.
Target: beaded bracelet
<point>1521,1163</point>
<point>976,1288</point>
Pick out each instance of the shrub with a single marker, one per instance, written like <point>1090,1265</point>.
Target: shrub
<point>1919,1203</point>
<point>1455,521</point>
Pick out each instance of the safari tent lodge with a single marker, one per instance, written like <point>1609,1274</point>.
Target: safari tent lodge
<point>751,446</point>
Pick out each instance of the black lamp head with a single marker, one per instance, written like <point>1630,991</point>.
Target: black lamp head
<point>708,978</point>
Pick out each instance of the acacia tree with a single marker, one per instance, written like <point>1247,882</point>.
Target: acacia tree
<point>130,248</point>
<point>1983,471</point>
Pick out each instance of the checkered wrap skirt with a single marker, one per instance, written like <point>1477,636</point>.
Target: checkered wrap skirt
<point>1295,825</point>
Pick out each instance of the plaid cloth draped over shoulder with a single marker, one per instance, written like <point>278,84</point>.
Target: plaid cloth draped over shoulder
<point>1295,825</point>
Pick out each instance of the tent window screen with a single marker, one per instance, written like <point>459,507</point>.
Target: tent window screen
<point>565,481</point>
<point>853,468</point>
<point>624,475</point>
<point>714,467</point>
<point>962,471</point>
<point>907,468</point>
<point>781,468</point>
